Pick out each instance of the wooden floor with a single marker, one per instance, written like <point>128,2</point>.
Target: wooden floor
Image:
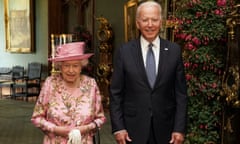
<point>16,128</point>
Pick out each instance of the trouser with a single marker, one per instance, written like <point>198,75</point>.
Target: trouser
<point>152,137</point>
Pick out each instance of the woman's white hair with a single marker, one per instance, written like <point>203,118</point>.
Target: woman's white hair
<point>149,4</point>
<point>84,63</point>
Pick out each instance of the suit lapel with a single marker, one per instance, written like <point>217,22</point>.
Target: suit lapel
<point>137,56</point>
<point>162,60</point>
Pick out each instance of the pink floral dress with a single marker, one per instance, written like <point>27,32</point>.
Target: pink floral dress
<point>59,106</point>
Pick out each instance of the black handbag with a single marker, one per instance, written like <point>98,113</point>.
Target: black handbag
<point>96,137</point>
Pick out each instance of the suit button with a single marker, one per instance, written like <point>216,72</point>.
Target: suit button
<point>150,108</point>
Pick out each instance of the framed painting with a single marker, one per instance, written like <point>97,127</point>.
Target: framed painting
<point>130,29</point>
<point>19,27</point>
<point>165,11</point>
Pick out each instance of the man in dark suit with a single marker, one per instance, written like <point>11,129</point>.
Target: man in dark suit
<point>148,108</point>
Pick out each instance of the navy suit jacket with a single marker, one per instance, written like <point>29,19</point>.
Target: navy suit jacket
<point>132,100</point>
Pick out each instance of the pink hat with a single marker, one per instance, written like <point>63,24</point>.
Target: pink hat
<point>71,51</point>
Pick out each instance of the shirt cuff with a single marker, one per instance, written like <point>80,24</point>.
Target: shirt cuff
<point>119,131</point>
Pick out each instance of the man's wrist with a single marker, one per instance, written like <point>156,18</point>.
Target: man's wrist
<point>117,132</point>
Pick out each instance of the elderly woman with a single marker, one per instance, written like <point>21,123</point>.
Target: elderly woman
<point>69,107</point>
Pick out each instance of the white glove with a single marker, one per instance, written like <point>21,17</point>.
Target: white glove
<point>74,137</point>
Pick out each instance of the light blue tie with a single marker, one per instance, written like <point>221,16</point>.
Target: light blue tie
<point>150,65</point>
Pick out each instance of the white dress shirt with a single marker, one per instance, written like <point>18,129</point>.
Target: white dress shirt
<point>156,50</point>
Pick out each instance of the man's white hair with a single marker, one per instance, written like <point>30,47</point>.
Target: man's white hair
<point>149,4</point>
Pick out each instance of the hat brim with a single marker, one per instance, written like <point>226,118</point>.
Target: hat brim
<point>69,58</point>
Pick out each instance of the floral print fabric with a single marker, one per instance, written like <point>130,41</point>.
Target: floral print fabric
<point>59,105</point>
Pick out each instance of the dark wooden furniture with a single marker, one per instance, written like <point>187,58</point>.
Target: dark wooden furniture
<point>29,85</point>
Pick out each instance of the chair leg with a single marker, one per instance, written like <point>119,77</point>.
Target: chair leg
<point>1,92</point>
<point>11,91</point>
<point>14,93</point>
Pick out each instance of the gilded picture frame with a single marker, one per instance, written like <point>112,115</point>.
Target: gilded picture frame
<point>165,10</point>
<point>130,29</point>
<point>19,27</point>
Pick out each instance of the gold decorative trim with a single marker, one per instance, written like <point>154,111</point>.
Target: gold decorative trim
<point>231,86</point>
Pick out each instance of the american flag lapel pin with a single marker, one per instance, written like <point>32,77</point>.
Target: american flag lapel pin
<point>166,49</point>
